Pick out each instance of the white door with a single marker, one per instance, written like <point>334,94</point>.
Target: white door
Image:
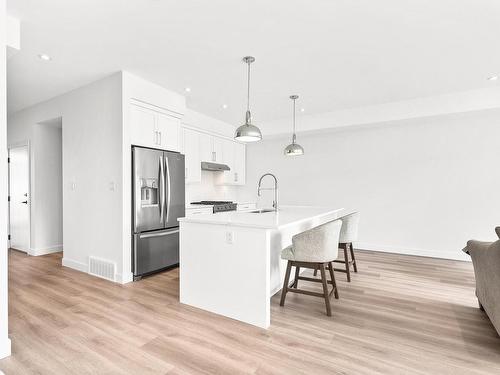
<point>19,207</point>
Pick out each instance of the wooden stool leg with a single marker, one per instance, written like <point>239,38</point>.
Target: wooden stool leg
<point>325,289</point>
<point>296,281</point>
<point>353,258</point>
<point>347,267</point>
<point>285,284</point>
<point>334,283</point>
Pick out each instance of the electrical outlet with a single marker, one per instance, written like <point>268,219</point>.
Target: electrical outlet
<point>230,238</point>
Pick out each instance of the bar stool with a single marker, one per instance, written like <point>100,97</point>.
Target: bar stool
<point>315,249</point>
<point>348,235</point>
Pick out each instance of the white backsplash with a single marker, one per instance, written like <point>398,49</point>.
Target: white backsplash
<point>208,190</point>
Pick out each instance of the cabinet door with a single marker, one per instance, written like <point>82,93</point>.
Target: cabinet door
<point>142,127</point>
<point>227,150</point>
<point>168,128</point>
<point>239,163</point>
<point>218,148</point>
<point>206,148</point>
<point>192,155</point>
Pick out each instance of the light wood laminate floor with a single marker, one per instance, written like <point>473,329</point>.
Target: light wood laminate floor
<point>399,315</point>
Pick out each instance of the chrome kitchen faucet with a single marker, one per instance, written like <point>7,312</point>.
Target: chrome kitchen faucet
<point>275,188</point>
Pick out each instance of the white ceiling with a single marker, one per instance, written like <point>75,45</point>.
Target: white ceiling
<point>335,54</point>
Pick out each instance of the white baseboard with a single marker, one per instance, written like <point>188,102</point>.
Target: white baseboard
<point>5,348</point>
<point>124,278</point>
<point>79,266</point>
<point>452,255</point>
<point>83,267</point>
<point>45,250</point>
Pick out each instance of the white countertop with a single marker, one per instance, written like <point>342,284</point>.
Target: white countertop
<point>286,215</point>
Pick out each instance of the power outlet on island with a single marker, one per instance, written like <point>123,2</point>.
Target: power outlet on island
<point>230,238</point>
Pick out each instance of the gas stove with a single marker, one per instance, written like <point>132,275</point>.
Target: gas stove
<point>219,206</point>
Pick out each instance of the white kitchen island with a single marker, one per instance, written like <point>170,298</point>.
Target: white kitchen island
<point>230,261</point>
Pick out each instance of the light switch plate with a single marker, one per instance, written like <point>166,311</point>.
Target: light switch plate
<point>230,238</point>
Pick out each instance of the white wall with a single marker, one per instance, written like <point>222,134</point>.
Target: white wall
<point>47,211</point>
<point>4,298</point>
<point>92,162</point>
<point>423,186</point>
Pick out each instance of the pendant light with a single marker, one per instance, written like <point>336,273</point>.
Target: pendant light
<point>248,132</point>
<point>294,149</point>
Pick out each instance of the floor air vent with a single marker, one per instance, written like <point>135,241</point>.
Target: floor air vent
<point>102,268</point>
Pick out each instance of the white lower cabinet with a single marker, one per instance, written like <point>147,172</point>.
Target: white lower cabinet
<point>246,206</point>
<point>150,128</point>
<point>197,211</point>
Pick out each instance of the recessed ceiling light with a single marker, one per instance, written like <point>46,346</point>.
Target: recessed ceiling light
<point>187,89</point>
<point>492,78</point>
<point>44,57</point>
<point>224,106</point>
<point>302,110</point>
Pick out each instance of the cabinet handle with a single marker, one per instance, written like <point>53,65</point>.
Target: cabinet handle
<point>159,142</point>
<point>213,156</point>
<point>235,176</point>
<point>156,137</point>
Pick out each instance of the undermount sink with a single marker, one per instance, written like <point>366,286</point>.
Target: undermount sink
<point>261,211</point>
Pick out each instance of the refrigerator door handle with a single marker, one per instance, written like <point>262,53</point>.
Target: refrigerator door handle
<point>159,234</point>
<point>161,186</point>
<point>167,188</point>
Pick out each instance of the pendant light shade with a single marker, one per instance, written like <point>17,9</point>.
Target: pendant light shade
<point>294,149</point>
<point>248,132</point>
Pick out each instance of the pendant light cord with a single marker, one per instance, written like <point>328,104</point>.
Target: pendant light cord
<point>294,136</point>
<point>248,87</point>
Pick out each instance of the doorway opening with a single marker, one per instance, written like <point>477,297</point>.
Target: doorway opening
<point>36,191</point>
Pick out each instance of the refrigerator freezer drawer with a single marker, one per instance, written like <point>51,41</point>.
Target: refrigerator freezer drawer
<point>155,250</point>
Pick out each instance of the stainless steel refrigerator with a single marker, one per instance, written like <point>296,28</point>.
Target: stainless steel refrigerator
<point>158,201</point>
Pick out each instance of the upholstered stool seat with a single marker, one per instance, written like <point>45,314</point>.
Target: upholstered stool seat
<point>315,249</point>
<point>348,235</point>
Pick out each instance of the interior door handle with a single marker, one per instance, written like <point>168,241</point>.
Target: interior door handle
<point>25,202</point>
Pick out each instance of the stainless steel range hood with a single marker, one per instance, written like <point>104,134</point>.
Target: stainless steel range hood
<point>215,167</point>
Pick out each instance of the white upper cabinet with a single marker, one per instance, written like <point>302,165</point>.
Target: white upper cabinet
<point>201,146</point>
<point>142,130</point>
<point>169,128</point>
<point>150,128</point>
<point>234,156</point>
<point>207,152</point>
<point>239,164</point>
<point>192,155</point>
<point>218,147</point>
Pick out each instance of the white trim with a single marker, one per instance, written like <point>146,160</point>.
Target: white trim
<point>125,278</point>
<point>5,348</point>
<point>45,250</point>
<point>23,250</point>
<point>452,255</point>
<point>79,266</point>
<point>83,267</point>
